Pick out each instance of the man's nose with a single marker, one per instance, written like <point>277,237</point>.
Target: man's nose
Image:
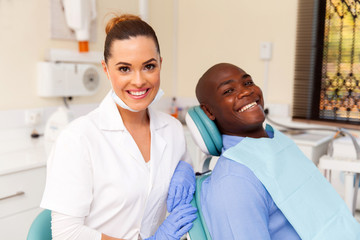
<point>245,92</point>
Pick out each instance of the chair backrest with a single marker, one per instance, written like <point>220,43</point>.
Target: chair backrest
<point>199,229</point>
<point>207,136</point>
<point>40,228</point>
<point>204,131</point>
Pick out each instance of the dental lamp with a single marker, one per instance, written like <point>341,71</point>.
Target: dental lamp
<point>79,14</point>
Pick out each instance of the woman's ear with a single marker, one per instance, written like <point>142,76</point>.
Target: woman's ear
<point>103,64</point>
<point>207,111</point>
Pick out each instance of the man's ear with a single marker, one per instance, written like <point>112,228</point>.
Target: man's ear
<point>207,111</point>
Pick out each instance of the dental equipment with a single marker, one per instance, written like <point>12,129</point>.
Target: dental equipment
<point>79,14</point>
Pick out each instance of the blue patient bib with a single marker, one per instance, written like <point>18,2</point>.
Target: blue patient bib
<point>305,197</point>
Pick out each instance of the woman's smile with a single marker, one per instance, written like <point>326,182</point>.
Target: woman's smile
<point>139,93</point>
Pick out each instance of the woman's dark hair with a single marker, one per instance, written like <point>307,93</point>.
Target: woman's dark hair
<point>124,27</point>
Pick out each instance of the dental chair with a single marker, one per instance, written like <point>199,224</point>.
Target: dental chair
<point>325,216</point>
<point>40,228</point>
<point>208,138</point>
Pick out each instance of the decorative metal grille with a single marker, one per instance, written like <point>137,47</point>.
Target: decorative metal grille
<point>340,88</point>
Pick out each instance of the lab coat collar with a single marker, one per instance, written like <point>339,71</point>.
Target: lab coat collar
<point>156,122</point>
<point>110,118</point>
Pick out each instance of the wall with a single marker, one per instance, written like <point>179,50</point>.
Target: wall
<point>216,31</point>
<point>208,32</point>
<point>24,40</point>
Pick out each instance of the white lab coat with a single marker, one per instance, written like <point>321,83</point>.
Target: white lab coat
<point>96,171</point>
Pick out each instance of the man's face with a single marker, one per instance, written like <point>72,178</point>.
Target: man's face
<point>235,102</point>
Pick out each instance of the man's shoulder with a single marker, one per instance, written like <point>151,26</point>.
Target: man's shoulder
<point>229,169</point>
<point>230,177</point>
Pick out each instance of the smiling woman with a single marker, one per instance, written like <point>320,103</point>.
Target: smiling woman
<point>110,171</point>
<point>135,81</point>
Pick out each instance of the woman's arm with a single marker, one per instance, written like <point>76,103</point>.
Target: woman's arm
<point>182,186</point>
<point>178,223</point>
<point>69,227</point>
<point>106,237</point>
<point>65,227</point>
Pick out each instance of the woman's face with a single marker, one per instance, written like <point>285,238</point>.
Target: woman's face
<point>134,69</point>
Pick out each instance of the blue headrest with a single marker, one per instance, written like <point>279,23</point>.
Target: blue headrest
<point>204,131</point>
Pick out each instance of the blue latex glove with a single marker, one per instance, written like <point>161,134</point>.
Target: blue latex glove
<point>178,223</point>
<point>182,186</point>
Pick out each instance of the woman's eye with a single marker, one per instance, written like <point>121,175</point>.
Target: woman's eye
<point>150,66</point>
<point>124,69</point>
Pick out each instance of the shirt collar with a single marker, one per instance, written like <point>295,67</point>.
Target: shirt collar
<point>230,141</point>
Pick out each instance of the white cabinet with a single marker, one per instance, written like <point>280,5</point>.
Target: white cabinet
<point>22,181</point>
<point>16,227</point>
<point>20,196</point>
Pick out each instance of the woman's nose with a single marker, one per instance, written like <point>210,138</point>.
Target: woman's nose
<point>139,79</point>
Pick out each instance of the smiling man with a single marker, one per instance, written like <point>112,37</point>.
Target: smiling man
<point>262,186</point>
<point>235,203</point>
<point>228,91</point>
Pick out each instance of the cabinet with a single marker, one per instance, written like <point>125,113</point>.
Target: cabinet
<point>20,196</point>
<point>22,181</point>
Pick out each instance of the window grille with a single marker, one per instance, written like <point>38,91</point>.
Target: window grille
<point>327,64</point>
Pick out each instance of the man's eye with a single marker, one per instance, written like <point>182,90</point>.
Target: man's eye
<point>249,83</point>
<point>150,66</point>
<point>227,91</point>
<point>124,69</point>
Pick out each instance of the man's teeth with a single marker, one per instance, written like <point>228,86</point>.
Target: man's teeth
<point>253,104</point>
<point>137,93</point>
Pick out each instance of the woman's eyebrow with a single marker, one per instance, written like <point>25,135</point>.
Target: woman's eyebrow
<point>225,83</point>
<point>150,60</point>
<point>123,63</point>
<point>129,64</point>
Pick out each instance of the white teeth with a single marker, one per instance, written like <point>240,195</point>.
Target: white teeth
<point>253,104</point>
<point>137,93</point>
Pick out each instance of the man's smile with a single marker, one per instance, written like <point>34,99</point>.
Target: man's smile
<point>248,106</point>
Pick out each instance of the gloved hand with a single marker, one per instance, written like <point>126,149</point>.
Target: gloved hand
<point>182,186</point>
<point>178,223</point>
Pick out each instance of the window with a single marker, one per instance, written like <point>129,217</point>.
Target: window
<point>327,62</point>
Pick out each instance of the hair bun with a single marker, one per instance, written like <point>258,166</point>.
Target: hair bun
<point>115,20</point>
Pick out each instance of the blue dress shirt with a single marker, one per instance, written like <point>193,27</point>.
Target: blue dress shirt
<point>236,205</point>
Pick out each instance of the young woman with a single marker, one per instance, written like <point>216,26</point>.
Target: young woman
<point>109,171</point>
